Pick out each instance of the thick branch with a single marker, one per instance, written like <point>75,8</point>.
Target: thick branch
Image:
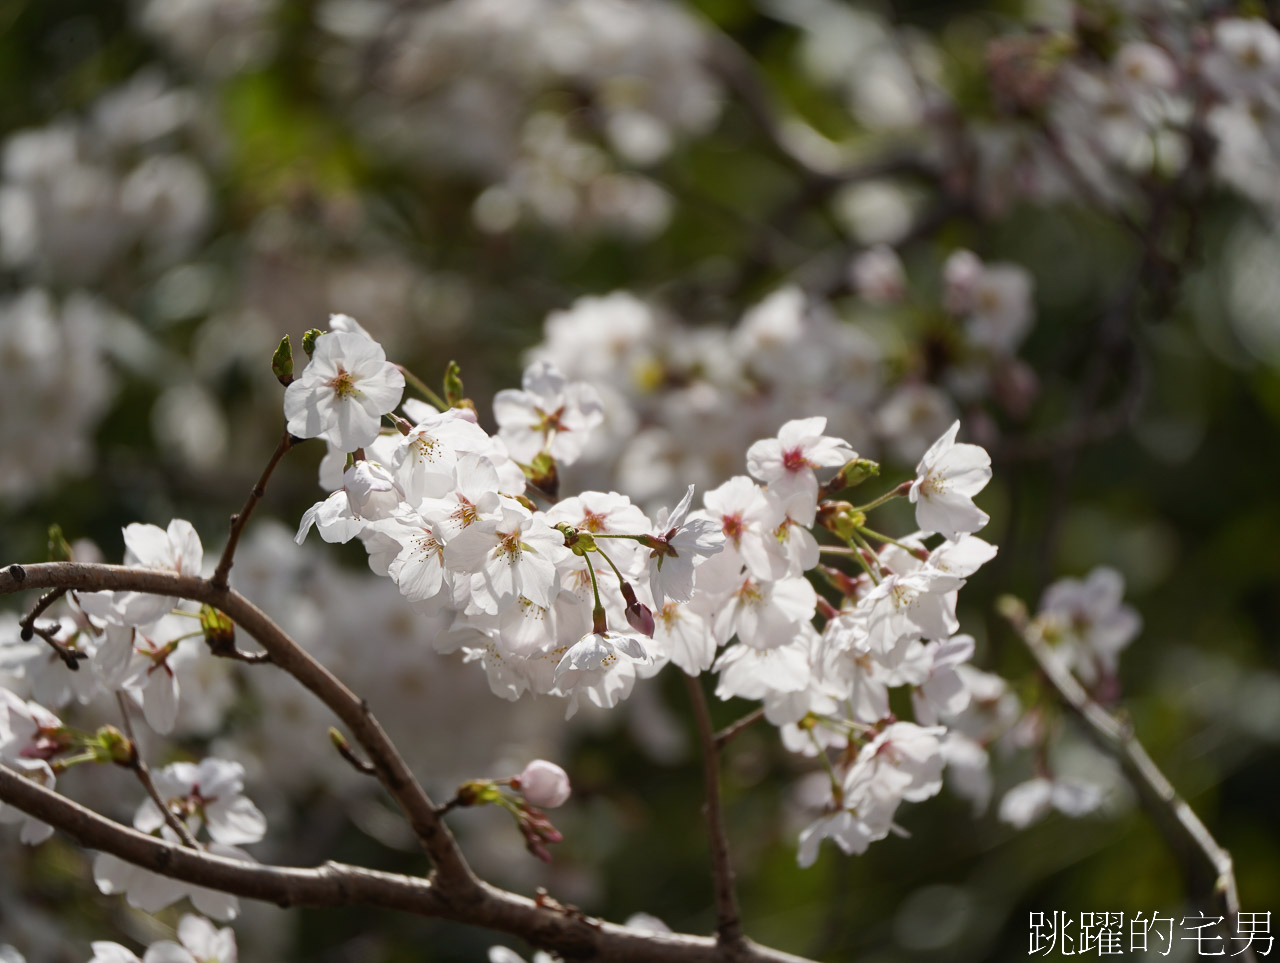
<point>339,884</point>
<point>728,923</point>
<point>1188,837</point>
<point>393,772</point>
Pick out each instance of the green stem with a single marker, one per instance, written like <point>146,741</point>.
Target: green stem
<point>866,546</point>
<point>885,538</point>
<point>602,554</point>
<point>863,562</point>
<point>887,496</point>
<point>423,388</point>
<point>837,790</point>
<point>598,623</point>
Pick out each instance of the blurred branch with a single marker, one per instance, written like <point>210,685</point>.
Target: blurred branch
<point>728,922</point>
<point>731,730</point>
<point>739,73</point>
<point>1206,866</point>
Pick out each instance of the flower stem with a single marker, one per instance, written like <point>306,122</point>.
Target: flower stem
<point>423,388</point>
<point>598,623</point>
<point>891,494</point>
<point>885,538</point>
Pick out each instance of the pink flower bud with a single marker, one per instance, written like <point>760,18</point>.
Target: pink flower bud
<point>543,784</point>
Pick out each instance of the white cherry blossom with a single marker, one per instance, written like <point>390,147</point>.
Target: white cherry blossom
<point>199,942</point>
<point>514,556</point>
<point>947,478</point>
<point>548,414</point>
<point>788,463</point>
<point>343,392</point>
<point>175,549</point>
<point>209,794</point>
<point>679,543</point>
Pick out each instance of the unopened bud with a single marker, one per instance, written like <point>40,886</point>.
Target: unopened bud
<point>219,631</point>
<point>854,473</point>
<point>116,747</point>
<point>477,792</point>
<point>309,340</point>
<point>840,518</point>
<point>454,393</point>
<point>1014,610</point>
<point>639,615</point>
<point>544,784</point>
<point>282,362</point>
<point>59,547</point>
<point>543,474</point>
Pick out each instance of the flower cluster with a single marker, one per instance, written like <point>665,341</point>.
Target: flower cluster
<point>587,594</point>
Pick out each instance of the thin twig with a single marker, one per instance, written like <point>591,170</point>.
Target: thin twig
<point>70,657</point>
<point>339,884</point>
<point>728,922</point>
<point>239,519</point>
<point>27,622</point>
<point>731,730</point>
<point>1188,837</point>
<point>143,772</point>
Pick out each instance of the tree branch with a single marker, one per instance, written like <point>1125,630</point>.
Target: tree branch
<point>731,730</point>
<point>728,922</point>
<point>338,884</point>
<point>143,772</point>
<point>393,772</point>
<point>1188,837</point>
<point>241,518</point>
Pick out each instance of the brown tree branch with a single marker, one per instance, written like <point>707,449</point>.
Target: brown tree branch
<point>143,772</point>
<point>241,518</point>
<point>728,921</point>
<point>393,772</point>
<point>731,730</point>
<point>337,884</point>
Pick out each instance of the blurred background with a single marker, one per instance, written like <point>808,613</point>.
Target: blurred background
<point>702,207</point>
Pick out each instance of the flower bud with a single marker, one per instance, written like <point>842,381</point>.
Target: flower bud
<point>282,362</point>
<point>372,491</point>
<point>454,393</point>
<point>219,630</point>
<point>309,340</point>
<point>543,784</point>
<point>854,473</point>
<point>639,615</point>
<point>116,747</point>
<point>59,547</point>
<point>543,474</point>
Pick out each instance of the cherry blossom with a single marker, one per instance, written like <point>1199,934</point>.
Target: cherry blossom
<point>548,414</point>
<point>175,549</point>
<point>677,545</point>
<point>199,942</point>
<point>788,463</point>
<point>208,794</point>
<point>947,478</point>
<point>515,555</point>
<point>343,392</point>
